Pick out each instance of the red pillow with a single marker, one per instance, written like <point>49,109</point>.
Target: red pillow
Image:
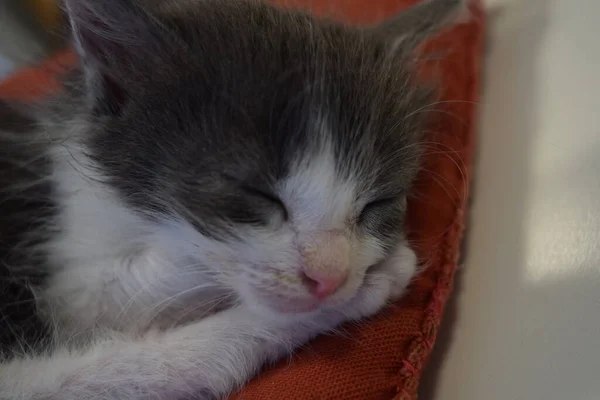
<point>382,358</point>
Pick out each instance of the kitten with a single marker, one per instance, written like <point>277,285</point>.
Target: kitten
<point>219,182</point>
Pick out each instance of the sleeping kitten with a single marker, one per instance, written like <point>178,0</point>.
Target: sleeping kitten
<point>219,182</point>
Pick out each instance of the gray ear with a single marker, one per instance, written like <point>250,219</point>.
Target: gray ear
<point>118,42</point>
<point>411,28</point>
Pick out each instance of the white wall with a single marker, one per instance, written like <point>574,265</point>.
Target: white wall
<point>525,323</point>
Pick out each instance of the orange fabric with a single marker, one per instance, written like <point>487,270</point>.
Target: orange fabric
<point>383,358</point>
<point>34,82</point>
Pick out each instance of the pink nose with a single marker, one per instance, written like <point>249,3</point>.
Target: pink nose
<point>323,284</point>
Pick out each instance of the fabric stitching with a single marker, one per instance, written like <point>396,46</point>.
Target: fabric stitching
<point>420,348</point>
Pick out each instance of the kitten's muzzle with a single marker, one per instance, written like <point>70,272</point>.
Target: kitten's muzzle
<point>325,263</point>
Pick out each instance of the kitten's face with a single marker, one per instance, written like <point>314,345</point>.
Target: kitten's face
<point>288,145</point>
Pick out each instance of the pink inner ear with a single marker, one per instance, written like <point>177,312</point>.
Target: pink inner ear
<point>100,47</point>
<point>93,44</point>
<point>114,95</point>
<point>110,33</point>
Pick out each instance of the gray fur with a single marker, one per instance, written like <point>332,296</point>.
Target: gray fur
<point>220,153</point>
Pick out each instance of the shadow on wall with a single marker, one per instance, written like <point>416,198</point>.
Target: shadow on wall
<point>502,175</point>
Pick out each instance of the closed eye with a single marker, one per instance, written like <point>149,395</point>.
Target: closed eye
<point>376,207</point>
<point>274,200</point>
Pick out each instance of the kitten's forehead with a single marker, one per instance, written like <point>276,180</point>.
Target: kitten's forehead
<point>316,193</point>
<point>311,110</point>
<point>339,167</point>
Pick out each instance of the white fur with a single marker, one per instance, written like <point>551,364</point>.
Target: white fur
<point>115,269</point>
<point>141,291</point>
<point>204,360</point>
<point>318,198</point>
<point>164,312</point>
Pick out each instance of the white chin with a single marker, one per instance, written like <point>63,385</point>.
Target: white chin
<point>282,309</point>
<point>297,309</point>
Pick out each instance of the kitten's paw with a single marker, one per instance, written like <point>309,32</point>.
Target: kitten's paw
<point>401,267</point>
<point>386,283</point>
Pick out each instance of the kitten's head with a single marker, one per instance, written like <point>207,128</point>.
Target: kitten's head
<point>288,144</point>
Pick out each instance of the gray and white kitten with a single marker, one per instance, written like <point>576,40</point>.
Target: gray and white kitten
<point>219,182</point>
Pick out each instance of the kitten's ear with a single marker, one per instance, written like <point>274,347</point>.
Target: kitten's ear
<point>118,43</point>
<point>412,27</point>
